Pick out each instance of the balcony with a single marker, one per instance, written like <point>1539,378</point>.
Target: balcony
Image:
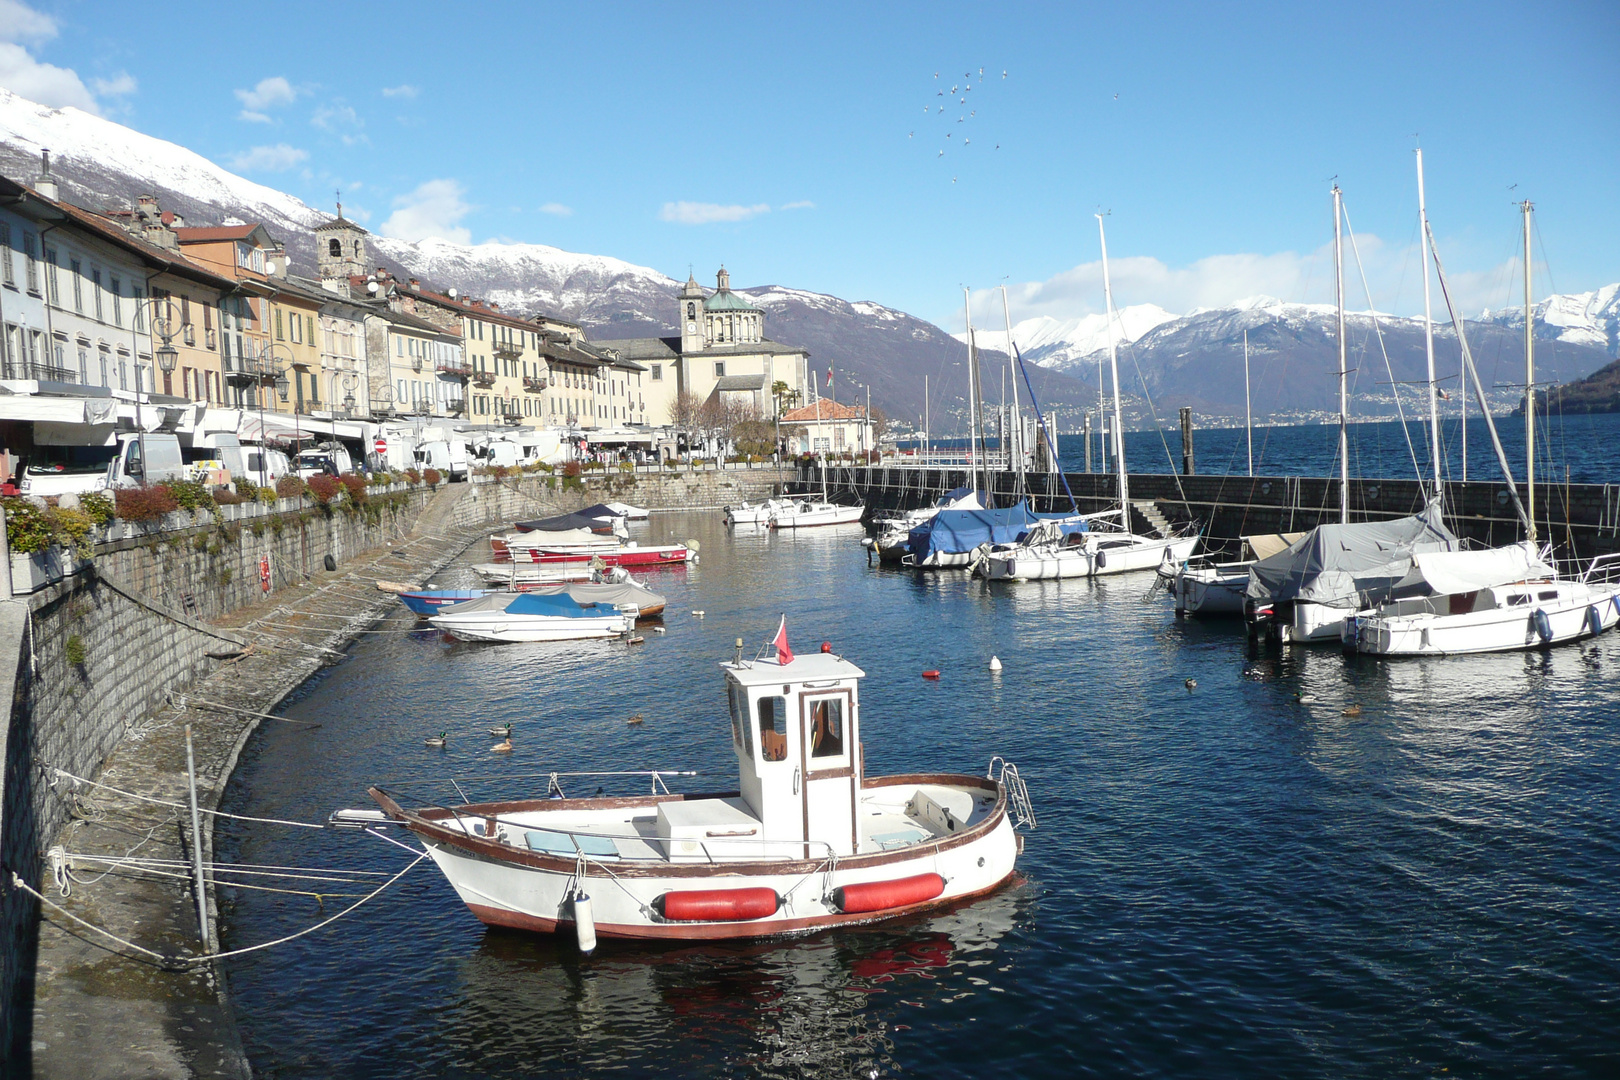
<point>512,414</point>
<point>508,350</point>
<point>247,370</point>
<point>533,384</point>
<point>454,368</point>
<point>455,407</point>
<point>41,372</point>
<point>483,379</point>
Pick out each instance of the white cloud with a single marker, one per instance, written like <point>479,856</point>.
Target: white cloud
<point>435,208</point>
<point>277,158</point>
<point>695,213</point>
<point>21,23</point>
<point>405,90</point>
<point>341,120</point>
<point>558,209</point>
<point>265,95</point>
<point>802,204</point>
<point>120,85</point>
<point>44,83</point>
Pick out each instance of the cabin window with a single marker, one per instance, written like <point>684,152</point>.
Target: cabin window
<point>827,727</point>
<point>739,717</point>
<point>1518,598</point>
<point>773,743</point>
<point>1551,594</point>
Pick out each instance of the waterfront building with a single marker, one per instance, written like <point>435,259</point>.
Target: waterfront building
<point>244,253</point>
<point>720,354</point>
<point>404,357</point>
<point>825,426</point>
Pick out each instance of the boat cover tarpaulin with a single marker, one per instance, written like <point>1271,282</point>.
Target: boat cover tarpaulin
<point>580,592</point>
<point>558,604</point>
<point>1336,565</point>
<point>956,532</point>
<point>599,512</point>
<point>560,523</point>
<point>1450,572</point>
<point>554,538</point>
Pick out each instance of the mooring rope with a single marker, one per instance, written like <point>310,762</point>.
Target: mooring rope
<point>183,806</point>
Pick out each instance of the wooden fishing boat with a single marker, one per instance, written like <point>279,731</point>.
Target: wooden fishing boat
<point>807,840</point>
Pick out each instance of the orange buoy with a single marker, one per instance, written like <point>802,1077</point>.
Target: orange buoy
<point>718,905</point>
<point>931,673</point>
<point>883,895</point>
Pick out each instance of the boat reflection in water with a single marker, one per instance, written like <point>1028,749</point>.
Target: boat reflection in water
<point>828,1005</point>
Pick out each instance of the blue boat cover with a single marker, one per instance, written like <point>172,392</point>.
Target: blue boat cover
<point>956,532</point>
<point>560,605</point>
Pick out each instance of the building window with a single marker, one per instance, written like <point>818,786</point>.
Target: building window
<point>29,262</point>
<point>116,287</point>
<point>7,274</point>
<point>84,365</point>
<point>658,373</point>
<point>77,270</point>
<point>95,291</point>
<point>719,369</point>
<point>334,248</point>
<point>50,276</point>
<point>139,320</point>
<point>279,335</point>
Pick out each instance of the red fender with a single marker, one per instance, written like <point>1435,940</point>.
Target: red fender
<point>718,905</point>
<point>882,895</point>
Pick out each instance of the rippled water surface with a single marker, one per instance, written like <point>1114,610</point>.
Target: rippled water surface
<point>1225,882</point>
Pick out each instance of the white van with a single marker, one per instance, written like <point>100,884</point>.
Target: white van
<point>264,465</point>
<point>220,446</point>
<point>145,460</point>
<point>450,458</point>
<point>335,462</point>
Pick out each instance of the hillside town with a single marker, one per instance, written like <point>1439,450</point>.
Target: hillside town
<point>133,336</point>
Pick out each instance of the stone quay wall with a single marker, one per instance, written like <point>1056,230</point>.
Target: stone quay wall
<point>93,656</point>
<point>1581,520</point>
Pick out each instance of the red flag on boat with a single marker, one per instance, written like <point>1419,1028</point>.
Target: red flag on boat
<point>784,655</point>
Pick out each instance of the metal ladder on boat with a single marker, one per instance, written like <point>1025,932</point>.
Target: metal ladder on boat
<point>1023,812</point>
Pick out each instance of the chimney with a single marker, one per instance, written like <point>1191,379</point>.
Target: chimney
<point>493,306</point>
<point>416,286</point>
<point>46,184</point>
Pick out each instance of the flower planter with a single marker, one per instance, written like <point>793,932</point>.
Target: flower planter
<point>34,571</point>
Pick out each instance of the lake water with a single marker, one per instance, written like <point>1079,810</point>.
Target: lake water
<point>1587,446</point>
<point>1225,882</point>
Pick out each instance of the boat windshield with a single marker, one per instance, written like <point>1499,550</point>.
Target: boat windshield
<point>773,728</point>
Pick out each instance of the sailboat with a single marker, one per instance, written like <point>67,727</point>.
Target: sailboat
<point>1096,544</point>
<point>1496,600</point>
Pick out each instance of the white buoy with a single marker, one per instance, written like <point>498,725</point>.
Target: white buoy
<point>658,629</point>
<point>995,663</point>
<point>584,923</point>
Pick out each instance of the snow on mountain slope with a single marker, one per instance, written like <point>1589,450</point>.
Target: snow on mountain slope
<point>1589,318</point>
<point>1057,343</point>
<point>88,146</point>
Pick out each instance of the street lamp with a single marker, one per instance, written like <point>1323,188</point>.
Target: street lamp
<point>164,327</point>
<point>350,380</point>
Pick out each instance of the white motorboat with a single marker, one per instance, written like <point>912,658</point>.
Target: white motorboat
<point>533,616</point>
<point>892,542</point>
<point>806,840</point>
<point>1496,600</point>
<point>746,513</point>
<point>628,512</point>
<point>805,513</point>
<point>1204,587</point>
<point>1050,552</point>
<point>527,575</point>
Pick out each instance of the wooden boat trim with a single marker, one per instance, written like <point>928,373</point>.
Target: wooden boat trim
<point>425,823</point>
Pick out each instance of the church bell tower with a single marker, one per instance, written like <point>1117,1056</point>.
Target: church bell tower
<point>690,316</point>
<point>340,249</point>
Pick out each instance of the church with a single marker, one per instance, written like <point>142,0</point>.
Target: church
<point>721,353</point>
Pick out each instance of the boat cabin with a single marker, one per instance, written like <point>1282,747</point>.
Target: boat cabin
<point>796,731</point>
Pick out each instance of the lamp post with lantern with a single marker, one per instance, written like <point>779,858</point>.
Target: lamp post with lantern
<point>164,327</point>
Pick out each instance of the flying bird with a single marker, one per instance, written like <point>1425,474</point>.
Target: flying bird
<point>940,94</point>
<point>953,179</point>
<point>981,73</point>
<point>963,101</point>
<point>1116,97</point>
<point>953,89</point>
<point>942,153</point>
<point>961,119</point>
<point>1003,73</point>
<point>942,108</point>
<point>936,74</point>
<point>975,112</point>
<point>998,146</point>
<point>966,141</point>
<point>911,134</point>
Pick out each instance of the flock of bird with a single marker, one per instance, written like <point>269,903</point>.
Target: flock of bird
<point>504,733</point>
<point>957,96</point>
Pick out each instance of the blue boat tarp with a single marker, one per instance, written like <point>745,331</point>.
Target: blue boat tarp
<point>956,532</point>
<point>558,604</point>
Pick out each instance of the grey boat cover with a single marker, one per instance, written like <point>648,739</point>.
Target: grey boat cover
<point>582,592</point>
<point>1340,565</point>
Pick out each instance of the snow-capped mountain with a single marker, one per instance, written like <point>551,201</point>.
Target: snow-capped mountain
<point>1589,318</point>
<point>1058,343</point>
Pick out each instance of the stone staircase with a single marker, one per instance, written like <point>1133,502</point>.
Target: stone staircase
<point>1149,512</point>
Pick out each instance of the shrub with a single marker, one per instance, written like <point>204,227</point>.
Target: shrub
<point>247,489</point>
<point>356,486</point>
<point>74,650</point>
<point>291,487</point>
<point>541,466</point>
<point>26,527</point>
<point>500,472</point>
<point>265,495</point>
<point>671,463</point>
<point>432,477</point>
<point>225,495</point>
<point>413,475</point>
<point>324,487</point>
<point>98,506</point>
<point>381,479</point>
<point>144,503</point>
<point>571,469</point>
<point>190,494</point>
<point>71,529</point>
<point>589,466</point>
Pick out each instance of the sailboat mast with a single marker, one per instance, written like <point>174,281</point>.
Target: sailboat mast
<point>1017,421</point>
<point>925,413</point>
<point>975,454</point>
<point>1428,333</point>
<point>1344,384</point>
<point>1248,412</point>
<point>1113,369</point>
<point>1529,382</point>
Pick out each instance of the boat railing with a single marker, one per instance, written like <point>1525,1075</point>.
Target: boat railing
<point>1023,811</point>
<point>1603,570</point>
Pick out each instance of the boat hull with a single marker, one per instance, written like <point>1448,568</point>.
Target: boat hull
<point>1053,563</point>
<point>524,889</point>
<point>667,555</point>
<point>826,515</point>
<point>516,628</point>
<point>1211,590</point>
<point>1583,614</point>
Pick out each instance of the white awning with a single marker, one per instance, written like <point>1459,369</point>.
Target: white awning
<point>58,410</point>
<point>1451,572</point>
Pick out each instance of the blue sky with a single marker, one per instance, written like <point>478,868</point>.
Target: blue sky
<point>800,145</point>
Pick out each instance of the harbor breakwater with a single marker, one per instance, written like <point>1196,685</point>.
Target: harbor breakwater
<point>1581,520</point>
<point>206,622</point>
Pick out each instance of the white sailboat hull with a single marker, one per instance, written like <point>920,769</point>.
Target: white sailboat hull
<point>1114,556</point>
<point>1576,611</point>
<point>499,626</point>
<point>807,515</point>
<point>1211,590</point>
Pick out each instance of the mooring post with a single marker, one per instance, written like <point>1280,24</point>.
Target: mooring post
<point>1088,440</point>
<point>1186,441</point>
<point>196,843</point>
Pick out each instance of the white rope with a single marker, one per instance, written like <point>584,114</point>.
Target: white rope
<point>183,806</point>
<point>29,889</point>
<point>317,926</point>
